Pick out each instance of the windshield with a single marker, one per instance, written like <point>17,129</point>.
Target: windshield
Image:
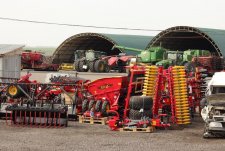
<point>174,56</point>
<point>216,90</point>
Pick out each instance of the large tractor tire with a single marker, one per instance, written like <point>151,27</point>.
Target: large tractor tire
<point>84,105</point>
<point>14,91</point>
<point>91,104</point>
<point>107,68</point>
<point>98,106</point>
<point>91,66</point>
<point>141,102</point>
<point>76,65</point>
<point>99,66</point>
<point>137,115</point>
<point>105,108</point>
<point>81,66</point>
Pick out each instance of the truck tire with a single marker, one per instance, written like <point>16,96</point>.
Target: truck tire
<point>98,106</point>
<point>141,102</point>
<point>91,104</point>
<point>76,65</point>
<point>91,66</point>
<point>105,108</point>
<point>81,64</point>
<point>137,115</point>
<point>99,66</point>
<point>84,105</point>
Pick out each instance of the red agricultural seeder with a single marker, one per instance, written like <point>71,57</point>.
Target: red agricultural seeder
<point>39,104</point>
<point>107,96</point>
<point>165,101</point>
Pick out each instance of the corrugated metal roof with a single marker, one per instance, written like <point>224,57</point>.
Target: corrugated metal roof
<point>132,41</point>
<point>218,36</point>
<point>185,37</point>
<point>99,42</point>
<point>7,48</point>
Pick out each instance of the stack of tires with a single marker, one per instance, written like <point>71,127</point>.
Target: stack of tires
<point>99,106</point>
<point>140,107</point>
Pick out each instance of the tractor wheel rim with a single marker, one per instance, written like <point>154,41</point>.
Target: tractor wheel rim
<point>101,67</point>
<point>107,107</point>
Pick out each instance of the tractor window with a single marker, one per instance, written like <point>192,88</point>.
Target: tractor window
<point>174,56</point>
<point>79,54</point>
<point>90,55</point>
<point>218,90</point>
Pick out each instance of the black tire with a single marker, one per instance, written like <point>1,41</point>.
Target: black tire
<point>141,102</point>
<point>105,108</point>
<point>84,105</point>
<point>99,66</point>
<point>98,106</point>
<point>190,67</point>
<point>91,66</point>
<point>81,64</point>
<point>76,65</point>
<point>137,115</point>
<point>91,104</point>
<point>107,68</point>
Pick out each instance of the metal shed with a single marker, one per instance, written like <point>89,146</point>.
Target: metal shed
<point>185,37</point>
<point>10,60</point>
<point>98,42</point>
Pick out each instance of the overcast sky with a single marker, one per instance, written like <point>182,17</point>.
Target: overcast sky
<point>147,14</point>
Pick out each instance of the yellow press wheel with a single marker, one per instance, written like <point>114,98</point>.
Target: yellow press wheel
<point>13,91</point>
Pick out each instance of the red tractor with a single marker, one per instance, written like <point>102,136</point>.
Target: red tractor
<point>36,61</point>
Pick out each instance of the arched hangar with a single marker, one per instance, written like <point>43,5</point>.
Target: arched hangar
<point>184,37</point>
<point>98,42</point>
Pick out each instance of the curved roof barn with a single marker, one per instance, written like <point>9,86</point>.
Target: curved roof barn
<point>98,42</point>
<point>184,37</point>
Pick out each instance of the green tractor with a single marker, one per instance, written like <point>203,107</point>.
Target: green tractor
<point>162,57</point>
<point>171,58</point>
<point>183,58</point>
<point>149,56</point>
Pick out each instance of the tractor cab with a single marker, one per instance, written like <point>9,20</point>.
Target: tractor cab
<point>171,58</point>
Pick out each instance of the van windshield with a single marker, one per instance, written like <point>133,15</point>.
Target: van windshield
<point>218,90</point>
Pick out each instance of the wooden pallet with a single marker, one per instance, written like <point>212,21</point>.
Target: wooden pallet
<point>91,120</point>
<point>149,129</point>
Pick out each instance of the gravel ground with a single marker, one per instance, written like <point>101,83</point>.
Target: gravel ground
<point>99,137</point>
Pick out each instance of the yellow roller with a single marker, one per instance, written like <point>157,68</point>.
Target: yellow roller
<point>186,112</point>
<point>180,81</point>
<point>182,105</point>
<point>177,97</point>
<point>183,120</point>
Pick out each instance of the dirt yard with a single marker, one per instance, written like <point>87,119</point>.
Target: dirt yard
<point>98,137</point>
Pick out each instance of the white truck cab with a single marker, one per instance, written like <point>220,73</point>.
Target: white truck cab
<point>213,112</point>
<point>216,84</point>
